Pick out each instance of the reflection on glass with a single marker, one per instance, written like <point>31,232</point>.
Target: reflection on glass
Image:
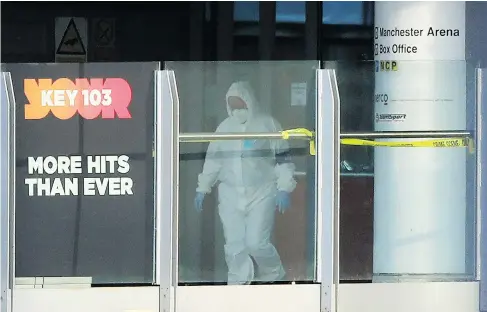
<point>253,226</point>
<point>356,86</point>
<point>334,12</point>
<point>343,12</point>
<point>291,11</point>
<point>246,11</point>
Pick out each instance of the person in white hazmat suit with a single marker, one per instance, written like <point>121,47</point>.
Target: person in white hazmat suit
<point>256,177</point>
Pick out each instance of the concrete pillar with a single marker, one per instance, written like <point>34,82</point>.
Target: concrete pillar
<point>420,193</point>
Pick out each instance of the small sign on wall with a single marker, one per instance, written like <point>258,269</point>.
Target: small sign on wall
<point>71,34</point>
<point>298,94</point>
<point>104,32</point>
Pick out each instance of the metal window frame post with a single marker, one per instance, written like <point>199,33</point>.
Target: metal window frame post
<point>481,192</point>
<point>7,192</point>
<point>328,187</point>
<point>166,188</point>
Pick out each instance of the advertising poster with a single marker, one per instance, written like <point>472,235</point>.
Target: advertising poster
<point>84,170</point>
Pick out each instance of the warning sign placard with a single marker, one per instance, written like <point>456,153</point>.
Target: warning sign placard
<point>71,39</point>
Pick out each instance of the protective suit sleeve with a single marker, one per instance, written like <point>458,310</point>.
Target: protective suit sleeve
<point>284,168</point>
<point>211,169</point>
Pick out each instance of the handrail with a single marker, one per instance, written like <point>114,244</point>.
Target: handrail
<point>212,136</point>
<point>205,136</point>
<point>459,138</point>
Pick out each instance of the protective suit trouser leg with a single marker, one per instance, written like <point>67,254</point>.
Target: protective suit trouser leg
<point>240,265</point>
<point>248,236</point>
<point>259,227</point>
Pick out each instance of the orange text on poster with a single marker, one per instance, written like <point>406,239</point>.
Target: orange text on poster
<point>90,98</point>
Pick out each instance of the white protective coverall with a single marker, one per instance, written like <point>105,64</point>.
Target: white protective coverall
<point>250,174</point>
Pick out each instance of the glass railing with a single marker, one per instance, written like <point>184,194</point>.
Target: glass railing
<point>405,211</point>
<point>238,225</point>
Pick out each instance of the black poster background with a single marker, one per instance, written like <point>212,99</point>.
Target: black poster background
<point>109,238</point>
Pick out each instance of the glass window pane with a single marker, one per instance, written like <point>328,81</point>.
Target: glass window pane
<point>291,11</point>
<point>98,220</point>
<point>246,11</point>
<point>380,186</point>
<point>356,85</point>
<point>239,236</point>
<point>343,12</point>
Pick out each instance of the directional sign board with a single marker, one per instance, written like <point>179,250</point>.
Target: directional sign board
<point>71,39</point>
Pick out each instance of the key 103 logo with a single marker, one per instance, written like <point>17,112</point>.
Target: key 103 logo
<point>90,98</point>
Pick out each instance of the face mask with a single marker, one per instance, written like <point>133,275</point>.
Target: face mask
<point>240,115</point>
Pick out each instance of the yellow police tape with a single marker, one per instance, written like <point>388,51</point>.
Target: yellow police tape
<point>309,134</point>
<point>445,142</point>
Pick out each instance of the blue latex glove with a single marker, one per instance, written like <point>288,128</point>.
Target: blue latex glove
<point>283,201</point>
<point>198,202</point>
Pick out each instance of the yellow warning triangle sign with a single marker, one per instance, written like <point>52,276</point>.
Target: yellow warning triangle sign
<point>71,43</point>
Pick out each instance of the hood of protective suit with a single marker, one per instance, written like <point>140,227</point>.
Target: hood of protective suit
<point>242,90</point>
